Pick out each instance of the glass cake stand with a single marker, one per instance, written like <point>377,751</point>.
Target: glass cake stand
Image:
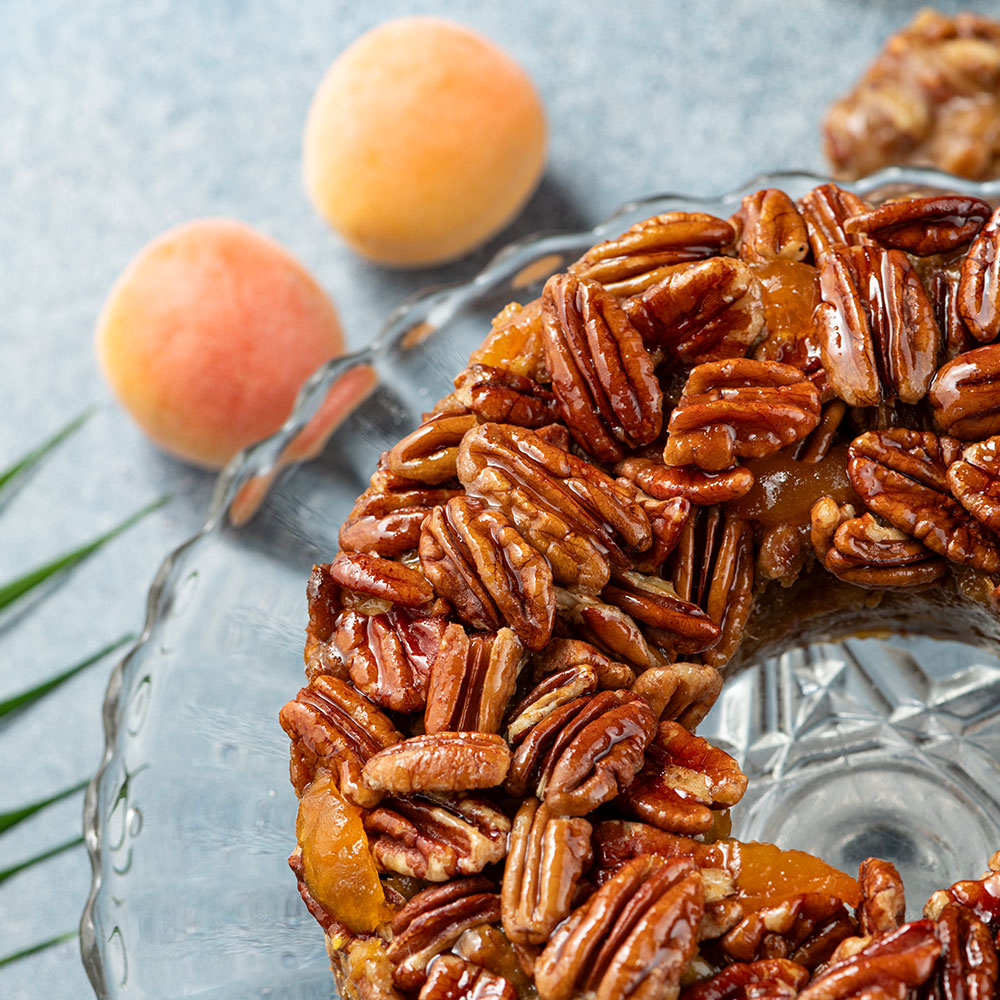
<point>863,747</point>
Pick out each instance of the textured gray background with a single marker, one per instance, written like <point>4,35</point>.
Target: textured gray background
<point>119,120</point>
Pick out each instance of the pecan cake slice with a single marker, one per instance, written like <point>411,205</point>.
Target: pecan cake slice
<point>701,425</point>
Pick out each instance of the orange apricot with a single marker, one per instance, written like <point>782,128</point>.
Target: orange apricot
<point>423,140</point>
<point>208,335</point>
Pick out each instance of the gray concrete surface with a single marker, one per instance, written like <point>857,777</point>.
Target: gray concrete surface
<point>118,120</point>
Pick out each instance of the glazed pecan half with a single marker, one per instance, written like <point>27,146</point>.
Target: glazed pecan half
<point>862,551</point>
<point>439,762</point>
<point>390,655</point>
<point>584,752</point>
<point>901,475</point>
<point>333,726</point>
<point>826,209</point>
<point>805,928</point>
<point>746,980</point>
<point>546,857</point>
<point>601,373</point>
<point>772,228</point>
<point>428,454</point>
<point>703,311</point>
<point>548,694</point>
<point>975,481</point>
<point>478,560</point>
<point>689,482</point>
<point>968,963</point>
<point>876,327</point>
<point>923,226</point>
<point>566,508</point>
<point>965,394</point>
<point>633,938</point>
<point>501,396</point>
<point>683,692</point>
<point>981,896</point>
<point>713,567</point>
<point>642,254</point>
<point>384,579</point>
<point>888,967</point>
<point>883,901</point>
<point>452,978</point>
<point>739,408</point>
<point>979,287</point>
<point>387,522</point>
<point>563,652</point>
<point>436,840</point>
<point>433,920</point>
<point>472,680</point>
<point>683,780</point>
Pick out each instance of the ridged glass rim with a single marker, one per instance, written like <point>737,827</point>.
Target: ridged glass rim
<point>264,459</point>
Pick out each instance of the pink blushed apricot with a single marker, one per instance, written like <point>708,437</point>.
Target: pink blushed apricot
<point>208,335</point>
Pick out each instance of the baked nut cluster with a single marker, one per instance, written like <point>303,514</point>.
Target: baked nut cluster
<point>706,437</point>
<point>930,98</point>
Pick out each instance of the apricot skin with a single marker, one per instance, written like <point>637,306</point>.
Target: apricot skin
<point>423,140</point>
<point>208,335</point>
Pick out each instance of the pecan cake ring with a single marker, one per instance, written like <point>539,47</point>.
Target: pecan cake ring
<point>707,440</point>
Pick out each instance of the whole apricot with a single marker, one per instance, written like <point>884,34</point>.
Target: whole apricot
<point>422,141</point>
<point>208,335</point>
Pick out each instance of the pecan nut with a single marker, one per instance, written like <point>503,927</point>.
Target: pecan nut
<point>602,374</point>
<point>584,752</point>
<point>888,967</point>
<point>862,551</point>
<point>452,978</point>
<point>923,226</point>
<point>433,920</point>
<point>968,963</point>
<point>549,694</point>
<point>471,681</point>
<point>333,726</point>
<point>713,567</point>
<point>638,258</point>
<point>633,938</point>
<point>436,840</point>
<point>825,210</point>
<point>979,286</point>
<point>500,396</point>
<point>439,762</point>
<point>546,857</point>
<point>387,522</point>
<point>805,928</point>
<point>739,408</point>
<point>965,394</point>
<point>653,601</point>
<point>683,692</point>
<point>876,327</point>
<point>475,558</point>
<point>901,475</point>
<point>428,454</point>
<point>561,653</point>
<point>688,482</point>
<point>882,908</point>
<point>743,980</point>
<point>566,508</point>
<point>608,627</point>
<point>981,896</point>
<point>975,481</point>
<point>702,311</point>
<point>383,579</point>
<point>683,780</point>
<point>772,228</point>
<point>389,655</point>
